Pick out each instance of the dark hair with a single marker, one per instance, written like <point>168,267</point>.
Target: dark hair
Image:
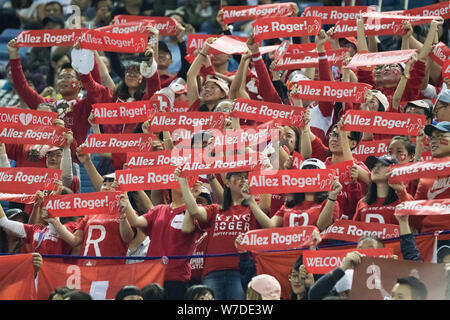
<point>4,243</point>
<point>227,200</point>
<point>299,197</point>
<point>354,135</point>
<point>297,264</point>
<point>121,91</point>
<point>372,195</point>
<point>418,289</point>
<point>153,291</point>
<point>60,290</point>
<point>77,295</point>
<point>195,291</point>
<point>54,2</point>
<point>128,291</point>
<point>428,112</point>
<point>69,66</point>
<point>202,136</point>
<point>163,47</point>
<point>409,145</point>
<point>371,237</point>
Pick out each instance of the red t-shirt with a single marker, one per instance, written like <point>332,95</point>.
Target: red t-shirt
<point>51,242</point>
<point>431,189</point>
<point>225,227</point>
<point>102,238</point>
<point>304,214</point>
<point>167,239</point>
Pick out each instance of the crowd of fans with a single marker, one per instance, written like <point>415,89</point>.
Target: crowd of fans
<point>43,78</point>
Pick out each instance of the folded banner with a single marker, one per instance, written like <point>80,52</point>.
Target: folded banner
<point>117,143</point>
<point>158,158</point>
<point>414,20</point>
<point>269,28</point>
<point>49,38</point>
<point>165,25</point>
<point>290,181</point>
<point>163,121</point>
<point>101,282</point>
<point>149,178</point>
<point>380,27</point>
<point>423,207</point>
<point>324,261</point>
<point>127,28</point>
<point>28,180</point>
<point>343,171</point>
<point>266,111</point>
<point>379,58</point>
<point>20,134</point>
<point>309,59</point>
<point>348,230</point>
<point>17,277</point>
<point>233,14</point>
<point>277,238</point>
<point>92,203</point>
<point>332,91</point>
<point>367,148</point>
<point>114,42</point>
<point>440,53</point>
<point>383,122</point>
<point>235,45</point>
<point>122,112</point>
<point>374,278</point>
<point>27,117</point>
<point>18,197</point>
<point>197,41</point>
<point>416,170</point>
<point>332,14</point>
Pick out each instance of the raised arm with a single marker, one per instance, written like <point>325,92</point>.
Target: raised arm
<point>15,227</point>
<point>326,215</point>
<point>72,239</point>
<point>194,210</point>
<point>94,176</point>
<point>4,161</point>
<point>237,87</point>
<point>398,94</point>
<point>66,161</point>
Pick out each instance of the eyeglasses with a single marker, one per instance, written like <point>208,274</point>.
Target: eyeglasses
<point>335,135</point>
<point>439,136</point>
<point>437,109</point>
<point>53,155</point>
<point>65,77</point>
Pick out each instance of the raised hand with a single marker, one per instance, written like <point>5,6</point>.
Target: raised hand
<point>13,49</point>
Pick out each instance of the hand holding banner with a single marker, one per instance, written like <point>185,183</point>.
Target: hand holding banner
<point>269,28</point>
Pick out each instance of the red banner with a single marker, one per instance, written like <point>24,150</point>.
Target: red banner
<point>277,238</point>
<point>297,160</point>
<point>179,106</point>
<point>332,91</point>
<point>309,59</point>
<point>149,178</point>
<point>378,58</point>
<point>342,170</point>
<point>332,14</point>
<point>242,138</point>
<point>382,26</point>
<point>197,41</point>
<point>423,207</point>
<point>49,38</point>
<point>324,261</point>
<point>18,197</point>
<point>348,230</point>
<point>416,170</point>
<point>446,70</point>
<point>367,148</point>
<point>19,134</point>
<point>117,143</point>
<point>266,111</point>
<point>440,53</point>
<point>244,13</point>
<point>235,45</point>
<point>439,9</point>
<point>158,158</point>
<point>122,112</point>
<point>383,122</point>
<point>114,42</point>
<point>290,181</point>
<point>17,277</point>
<point>374,278</point>
<point>165,25</point>
<point>127,28</point>
<point>92,203</point>
<point>101,282</point>
<point>27,117</point>
<point>269,28</point>
<point>414,20</point>
<point>28,180</point>
<point>163,121</point>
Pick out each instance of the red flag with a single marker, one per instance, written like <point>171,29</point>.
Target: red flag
<point>342,170</point>
<point>101,282</point>
<point>18,197</point>
<point>28,180</point>
<point>367,148</point>
<point>49,38</point>
<point>163,121</point>
<point>309,59</point>
<point>440,53</point>
<point>383,26</point>
<point>159,158</point>
<point>378,58</point>
<point>17,277</point>
<point>127,28</point>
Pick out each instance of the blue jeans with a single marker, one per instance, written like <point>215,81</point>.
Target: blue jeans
<point>226,284</point>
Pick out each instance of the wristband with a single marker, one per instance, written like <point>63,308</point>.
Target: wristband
<point>334,200</point>
<point>201,53</point>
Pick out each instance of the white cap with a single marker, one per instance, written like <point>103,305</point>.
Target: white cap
<point>382,98</point>
<point>315,162</point>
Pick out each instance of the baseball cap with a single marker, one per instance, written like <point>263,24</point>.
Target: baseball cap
<point>314,162</point>
<point>267,286</point>
<point>443,126</point>
<point>421,104</point>
<point>382,98</point>
<point>53,149</point>
<point>16,212</point>
<point>205,193</point>
<point>179,86</point>
<point>220,82</point>
<point>294,77</point>
<point>386,160</point>
<point>444,96</point>
<point>442,252</point>
<point>110,176</point>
